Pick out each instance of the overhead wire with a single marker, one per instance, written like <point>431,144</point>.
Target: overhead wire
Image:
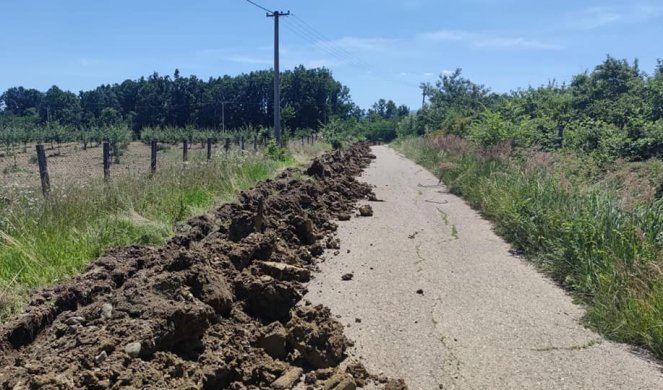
<point>309,33</point>
<point>260,6</point>
<point>328,49</point>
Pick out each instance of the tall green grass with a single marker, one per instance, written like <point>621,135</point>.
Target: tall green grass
<point>581,234</point>
<point>46,241</point>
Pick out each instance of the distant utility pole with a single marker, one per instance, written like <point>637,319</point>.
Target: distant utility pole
<point>223,115</point>
<point>277,75</point>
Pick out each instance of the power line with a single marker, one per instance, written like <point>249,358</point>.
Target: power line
<point>309,33</point>
<point>259,6</point>
<point>328,49</point>
<point>321,37</point>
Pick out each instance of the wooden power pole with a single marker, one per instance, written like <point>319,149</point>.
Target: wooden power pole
<point>277,75</point>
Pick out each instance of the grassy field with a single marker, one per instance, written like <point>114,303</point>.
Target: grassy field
<point>46,241</point>
<point>597,229</point>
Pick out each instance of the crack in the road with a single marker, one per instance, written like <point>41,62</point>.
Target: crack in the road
<point>578,347</point>
<point>454,362</point>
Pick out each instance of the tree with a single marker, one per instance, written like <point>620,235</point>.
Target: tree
<point>60,106</point>
<point>655,92</point>
<point>612,93</point>
<point>20,101</point>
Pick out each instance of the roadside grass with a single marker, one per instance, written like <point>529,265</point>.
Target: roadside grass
<point>46,241</point>
<point>573,218</point>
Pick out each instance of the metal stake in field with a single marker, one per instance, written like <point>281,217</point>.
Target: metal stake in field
<point>43,170</point>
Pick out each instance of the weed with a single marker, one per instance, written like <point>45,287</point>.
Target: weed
<point>444,215</point>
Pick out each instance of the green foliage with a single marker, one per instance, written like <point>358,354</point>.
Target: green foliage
<point>310,98</point>
<point>611,112</point>
<point>118,137</point>
<point>339,133</point>
<point>379,129</point>
<point>276,152</point>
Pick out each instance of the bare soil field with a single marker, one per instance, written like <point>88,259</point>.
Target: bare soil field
<point>218,306</point>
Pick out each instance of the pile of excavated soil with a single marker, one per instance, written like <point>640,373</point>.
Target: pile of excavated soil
<point>217,306</point>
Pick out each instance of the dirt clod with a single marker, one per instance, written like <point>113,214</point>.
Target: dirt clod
<point>365,210</point>
<point>133,349</point>
<point>287,380</point>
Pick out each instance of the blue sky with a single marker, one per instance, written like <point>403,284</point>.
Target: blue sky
<point>379,48</point>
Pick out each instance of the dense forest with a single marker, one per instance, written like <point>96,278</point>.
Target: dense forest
<point>310,97</point>
<point>616,110</point>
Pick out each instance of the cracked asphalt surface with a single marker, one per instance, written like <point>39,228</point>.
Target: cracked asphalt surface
<point>437,299</point>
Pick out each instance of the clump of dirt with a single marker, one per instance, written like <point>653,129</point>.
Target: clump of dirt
<point>217,306</point>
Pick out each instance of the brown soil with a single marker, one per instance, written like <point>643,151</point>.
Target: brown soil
<point>217,306</point>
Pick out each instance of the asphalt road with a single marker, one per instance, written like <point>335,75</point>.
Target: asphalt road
<point>483,319</point>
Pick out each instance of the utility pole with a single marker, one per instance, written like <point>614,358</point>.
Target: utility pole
<point>277,75</point>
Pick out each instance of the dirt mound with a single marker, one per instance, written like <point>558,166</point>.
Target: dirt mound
<point>217,306</point>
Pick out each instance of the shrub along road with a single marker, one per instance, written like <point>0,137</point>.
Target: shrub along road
<point>435,297</point>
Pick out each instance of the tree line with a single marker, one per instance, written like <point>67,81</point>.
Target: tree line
<point>310,97</point>
<point>615,110</point>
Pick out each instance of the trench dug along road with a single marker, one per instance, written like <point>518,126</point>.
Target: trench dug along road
<point>300,284</point>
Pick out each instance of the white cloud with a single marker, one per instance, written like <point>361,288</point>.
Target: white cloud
<point>445,35</point>
<point>317,63</point>
<point>488,41</point>
<point>518,42</point>
<point>358,44</point>
<point>88,62</point>
<point>596,17</point>
<point>242,59</point>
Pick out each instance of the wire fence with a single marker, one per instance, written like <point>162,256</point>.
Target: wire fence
<point>44,167</point>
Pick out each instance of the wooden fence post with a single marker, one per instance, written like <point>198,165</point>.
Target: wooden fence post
<point>241,143</point>
<point>226,146</point>
<point>43,170</point>
<point>185,150</point>
<point>153,157</point>
<point>255,143</point>
<point>107,161</point>
<point>209,148</point>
